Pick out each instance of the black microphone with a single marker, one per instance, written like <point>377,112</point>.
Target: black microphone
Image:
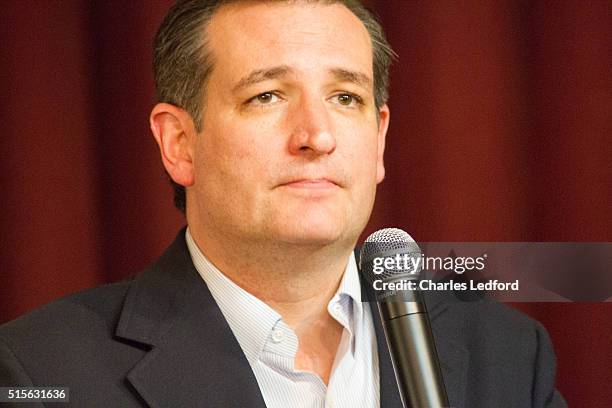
<point>391,262</point>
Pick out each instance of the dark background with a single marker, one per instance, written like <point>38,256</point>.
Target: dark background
<point>501,131</point>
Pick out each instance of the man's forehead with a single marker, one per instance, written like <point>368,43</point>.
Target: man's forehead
<point>254,32</point>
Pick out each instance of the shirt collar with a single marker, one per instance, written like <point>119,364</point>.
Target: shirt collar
<point>350,284</point>
<point>250,319</point>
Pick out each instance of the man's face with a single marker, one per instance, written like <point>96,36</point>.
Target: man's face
<point>290,149</point>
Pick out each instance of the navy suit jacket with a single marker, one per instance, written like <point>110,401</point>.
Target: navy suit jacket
<point>160,340</point>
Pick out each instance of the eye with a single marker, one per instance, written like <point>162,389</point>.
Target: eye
<point>265,98</point>
<point>348,99</point>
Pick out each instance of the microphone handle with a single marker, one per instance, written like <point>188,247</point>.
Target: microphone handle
<point>413,353</point>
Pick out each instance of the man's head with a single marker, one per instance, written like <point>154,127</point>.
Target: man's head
<point>274,115</point>
<point>182,62</point>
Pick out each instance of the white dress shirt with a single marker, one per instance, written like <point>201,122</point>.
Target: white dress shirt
<point>270,345</point>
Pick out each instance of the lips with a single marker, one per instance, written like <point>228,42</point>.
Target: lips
<point>311,183</point>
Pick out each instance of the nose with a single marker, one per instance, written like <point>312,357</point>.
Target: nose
<point>312,132</point>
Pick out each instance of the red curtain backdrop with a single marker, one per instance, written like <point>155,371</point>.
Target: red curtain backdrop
<point>501,131</point>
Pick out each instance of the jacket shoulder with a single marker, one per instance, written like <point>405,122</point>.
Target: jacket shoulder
<point>66,340</point>
<point>95,306</point>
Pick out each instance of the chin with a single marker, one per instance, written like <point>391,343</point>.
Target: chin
<point>306,232</point>
<point>316,224</point>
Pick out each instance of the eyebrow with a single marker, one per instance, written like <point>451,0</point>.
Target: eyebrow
<point>340,74</point>
<point>261,75</point>
<point>354,77</point>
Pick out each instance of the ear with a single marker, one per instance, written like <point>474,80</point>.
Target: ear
<point>175,134</point>
<point>383,126</point>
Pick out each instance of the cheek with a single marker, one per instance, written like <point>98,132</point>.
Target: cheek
<point>235,158</point>
<point>363,158</point>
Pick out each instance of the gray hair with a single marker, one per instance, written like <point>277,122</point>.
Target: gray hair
<point>182,64</point>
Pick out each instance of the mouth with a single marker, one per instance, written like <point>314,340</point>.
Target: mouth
<point>311,184</point>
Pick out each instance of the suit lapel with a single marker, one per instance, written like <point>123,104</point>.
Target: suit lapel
<point>453,356</point>
<point>195,360</point>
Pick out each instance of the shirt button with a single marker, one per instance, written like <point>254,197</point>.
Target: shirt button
<point>277,335</point>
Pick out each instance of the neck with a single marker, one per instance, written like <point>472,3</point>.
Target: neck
<point>295,280</point>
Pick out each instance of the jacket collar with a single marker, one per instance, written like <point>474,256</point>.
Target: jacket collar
<point>195,358</point>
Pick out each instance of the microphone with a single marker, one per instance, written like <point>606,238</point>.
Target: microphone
<point>389,261</point>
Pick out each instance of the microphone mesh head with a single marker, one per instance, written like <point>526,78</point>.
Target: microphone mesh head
<point>383,243</point>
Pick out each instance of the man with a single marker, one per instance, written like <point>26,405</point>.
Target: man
<point>272,120</point>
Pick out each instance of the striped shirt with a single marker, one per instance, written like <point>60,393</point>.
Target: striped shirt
<point>270,345</point>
